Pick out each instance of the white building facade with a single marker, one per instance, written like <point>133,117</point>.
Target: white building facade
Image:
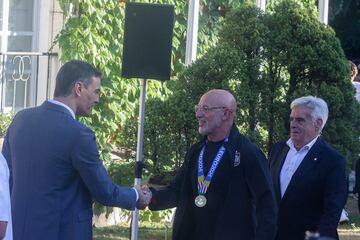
<point>28,59</point>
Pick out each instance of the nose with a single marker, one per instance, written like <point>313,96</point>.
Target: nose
<point>199,114</point>
<point>293,124</point>
<point>97,99</point>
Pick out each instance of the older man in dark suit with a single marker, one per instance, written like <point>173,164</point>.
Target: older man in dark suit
<point>308,175</point>
<point>55,166</point>
<point>223,189</point>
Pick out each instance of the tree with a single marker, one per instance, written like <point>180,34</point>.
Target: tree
<point>314,63</point>
<point>267,60</point>
<point>94,32</point>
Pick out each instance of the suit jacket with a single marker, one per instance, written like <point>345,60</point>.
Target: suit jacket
<point>249,209</point>
<point>357,180</point>
<point>357,176</point>
<point>315,195</point>
<point>56,172</point>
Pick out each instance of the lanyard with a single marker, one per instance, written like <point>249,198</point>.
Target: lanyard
<point>204,182</point>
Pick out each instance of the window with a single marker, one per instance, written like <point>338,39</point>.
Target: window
<point>18,71</point>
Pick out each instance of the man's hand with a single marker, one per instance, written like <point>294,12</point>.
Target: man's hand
<point>145,196</point>
<point>3,229</point>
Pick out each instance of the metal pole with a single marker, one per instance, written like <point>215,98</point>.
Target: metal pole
<point>261,4</point>
<point>36,79</point>
<point>324,11</point>
<point>3,78</point>
<point>135,220</point>
<point>48,78</point>
<point>192,32</point>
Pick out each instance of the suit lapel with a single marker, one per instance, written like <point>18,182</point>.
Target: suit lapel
<point>278,166</point>
<point>304,169</point>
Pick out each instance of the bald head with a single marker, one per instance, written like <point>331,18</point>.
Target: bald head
<point>215,113</point>
<point>222,98</point>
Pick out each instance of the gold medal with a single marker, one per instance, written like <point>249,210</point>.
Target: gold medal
<point>200,201</point>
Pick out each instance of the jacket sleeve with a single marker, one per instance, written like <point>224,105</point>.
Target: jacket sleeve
<point>169,196</point>
<point>86,160</point>
<point>334,197</point>
<point>7,155</point>
<point>4,193</point>
<point>357,177</point>
<point>257,173</point>
<point>271,155</point>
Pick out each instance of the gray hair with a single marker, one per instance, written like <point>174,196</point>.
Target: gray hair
<point>317,105</point>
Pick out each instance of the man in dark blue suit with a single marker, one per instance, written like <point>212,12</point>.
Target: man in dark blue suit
<point>54,163</point>
<point>308,175</point>
<point>223,190</point>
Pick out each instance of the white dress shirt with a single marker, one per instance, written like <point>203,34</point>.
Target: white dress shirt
<point>5,206</point>
<point>292,161</point>
<point>357,88</point>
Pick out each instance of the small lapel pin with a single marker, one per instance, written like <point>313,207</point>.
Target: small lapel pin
<point>237,159</point>
<point>315,159</point>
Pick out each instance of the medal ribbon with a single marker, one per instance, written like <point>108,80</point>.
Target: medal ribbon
<point>204,183</point>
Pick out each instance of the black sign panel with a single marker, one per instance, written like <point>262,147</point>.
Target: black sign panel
<point>147,41</point>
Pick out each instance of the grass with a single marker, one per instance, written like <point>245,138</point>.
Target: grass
<point>347,231</point>
<point>123,233</point>
<point>351,229</point>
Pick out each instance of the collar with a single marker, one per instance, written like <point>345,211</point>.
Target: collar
<point>234,133</point>
<point>305,147</point>
<point>63,105</point>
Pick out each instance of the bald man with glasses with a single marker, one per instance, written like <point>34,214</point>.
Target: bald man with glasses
<point>223,189</point>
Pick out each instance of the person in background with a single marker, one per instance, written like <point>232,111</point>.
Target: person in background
<point>355,79</point>
<point>55,166</point>
<point>308,175</point>
<point>357,181</point>
<point>5,206</point>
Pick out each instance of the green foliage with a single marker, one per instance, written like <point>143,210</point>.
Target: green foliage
<point>95,35</point>
<point>5,120</point>
<point>122,233</point>
<point>309,5</point>
<point>266,60</point>
<point>314,63</point>
<point>94,32</point>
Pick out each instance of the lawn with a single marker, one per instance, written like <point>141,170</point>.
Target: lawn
<point>351,230</point>
<point>123,233</point>
<point>347,231</point>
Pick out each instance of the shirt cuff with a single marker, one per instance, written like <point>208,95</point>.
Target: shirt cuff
<point>137,194</point>
<point>4,217</point>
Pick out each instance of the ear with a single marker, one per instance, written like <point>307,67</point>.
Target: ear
<point>318,123</point>
<point>227,113</point>
<point>78,88</point>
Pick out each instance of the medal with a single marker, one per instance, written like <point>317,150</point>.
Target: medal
<point>204,182</point>
<point>200,201</point>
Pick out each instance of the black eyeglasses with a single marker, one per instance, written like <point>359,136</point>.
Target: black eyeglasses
<point>205,108</point>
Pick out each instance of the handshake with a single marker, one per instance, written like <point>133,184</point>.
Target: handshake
<point>145,196</point>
